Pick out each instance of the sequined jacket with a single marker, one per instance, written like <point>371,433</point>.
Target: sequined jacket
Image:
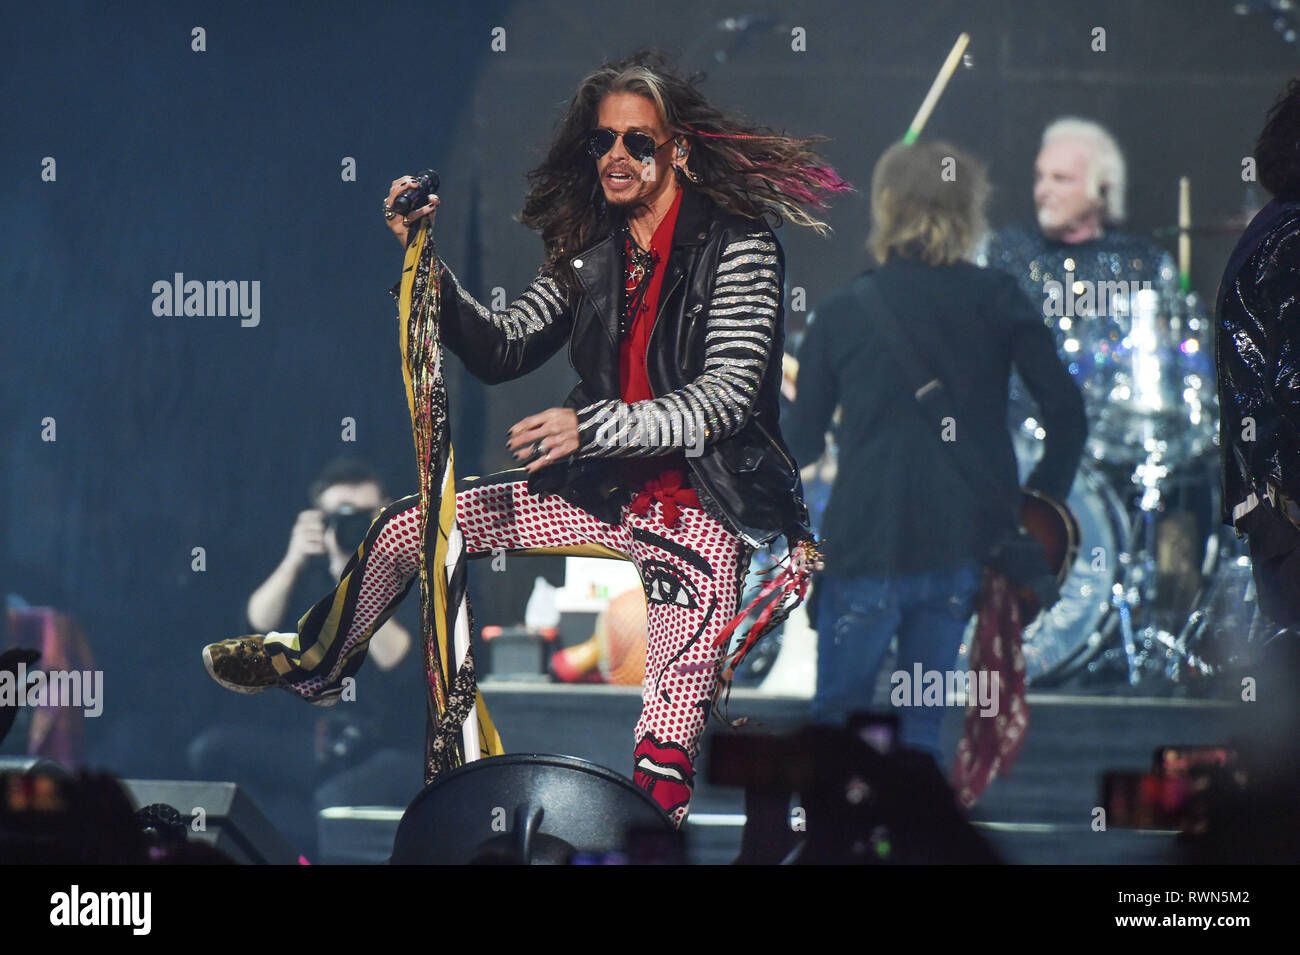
<point>1257,352</point>
<point>713,361</point>
<point>1036,262</point>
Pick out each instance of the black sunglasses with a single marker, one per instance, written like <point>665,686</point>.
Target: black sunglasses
<point>639,146</point>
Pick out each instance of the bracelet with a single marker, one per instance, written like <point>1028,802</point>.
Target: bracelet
<point>389,211</point>
<point>810,552</point>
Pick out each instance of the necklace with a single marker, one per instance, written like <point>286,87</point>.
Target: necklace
<point>640,262</point>
<point>640,268</point>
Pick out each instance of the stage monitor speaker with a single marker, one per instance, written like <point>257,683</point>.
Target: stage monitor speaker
<point>529,809</point>
<point>232,824</point>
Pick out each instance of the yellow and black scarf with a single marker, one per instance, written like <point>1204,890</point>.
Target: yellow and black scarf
<point>460,729</point>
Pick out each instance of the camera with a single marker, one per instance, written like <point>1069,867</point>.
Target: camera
<point>349,526</point>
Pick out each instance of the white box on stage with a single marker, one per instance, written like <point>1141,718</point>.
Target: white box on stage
<point>591,582</point>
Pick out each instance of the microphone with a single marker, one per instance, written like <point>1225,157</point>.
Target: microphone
<point>417,197</point>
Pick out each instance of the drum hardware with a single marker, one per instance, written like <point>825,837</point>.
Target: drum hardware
<point>1150,649</point>
<point>1182,651</point>
<point>1144,361</point>
<point>1220,636</point>
<point>1148,476</point>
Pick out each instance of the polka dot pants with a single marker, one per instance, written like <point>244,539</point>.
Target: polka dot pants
<point>689,572</point>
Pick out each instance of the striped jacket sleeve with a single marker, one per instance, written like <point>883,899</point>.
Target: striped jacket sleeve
<point>741,325</point>
<point>499,346</point>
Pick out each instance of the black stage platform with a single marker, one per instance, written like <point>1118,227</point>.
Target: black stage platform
<point>1040,813</point>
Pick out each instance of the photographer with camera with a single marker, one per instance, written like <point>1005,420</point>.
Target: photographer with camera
<point>345,499</point>
<point>365,750</point>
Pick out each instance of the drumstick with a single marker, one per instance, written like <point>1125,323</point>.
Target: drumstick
<point>936,89</point>
<point>1184,234</point>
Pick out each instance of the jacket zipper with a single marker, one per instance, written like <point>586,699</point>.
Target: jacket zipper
<point>645,358</point>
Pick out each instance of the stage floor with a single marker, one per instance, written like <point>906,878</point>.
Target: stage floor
<point>1041,812</point>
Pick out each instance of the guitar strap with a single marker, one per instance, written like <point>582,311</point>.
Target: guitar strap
<point>934,404</point>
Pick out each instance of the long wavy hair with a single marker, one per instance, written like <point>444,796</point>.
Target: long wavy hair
<point>750,170</point>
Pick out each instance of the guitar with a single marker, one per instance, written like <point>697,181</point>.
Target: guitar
<point>1051,523</point>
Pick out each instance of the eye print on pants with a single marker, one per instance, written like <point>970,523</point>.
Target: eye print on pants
<point>664,584</point>
<point>672,589</point>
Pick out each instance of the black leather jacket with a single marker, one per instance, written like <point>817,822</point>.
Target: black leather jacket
<point>1257,353</point>
<point>713,361</point>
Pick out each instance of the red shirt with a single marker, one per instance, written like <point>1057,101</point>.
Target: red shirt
<point>660,477</point>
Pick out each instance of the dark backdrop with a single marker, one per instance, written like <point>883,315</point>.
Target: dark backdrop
<point>176,433</point>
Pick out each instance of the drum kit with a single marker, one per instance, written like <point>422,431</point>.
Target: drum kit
<point>1160,599</point>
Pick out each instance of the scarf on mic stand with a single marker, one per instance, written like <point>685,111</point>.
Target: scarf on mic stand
<point>990,744</point>
<point>459,727</point>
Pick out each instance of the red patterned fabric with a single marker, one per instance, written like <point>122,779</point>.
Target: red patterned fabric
<point>632,350</point>
<point>688,573</point>
<point>990,744</point>
<point>667,488</point>
<point>634,382</point>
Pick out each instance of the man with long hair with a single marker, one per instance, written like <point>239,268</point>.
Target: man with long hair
<point>910,533</point>
<point>666,283</point>
<point>1257,356</point>
<point>1258,359</point>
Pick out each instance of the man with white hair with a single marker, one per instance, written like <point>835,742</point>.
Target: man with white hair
<point>1087,279</point>
<point>1079,182</point>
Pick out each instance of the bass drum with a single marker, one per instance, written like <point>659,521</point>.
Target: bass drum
<point>1065,638</point>
<point>1076,628</point>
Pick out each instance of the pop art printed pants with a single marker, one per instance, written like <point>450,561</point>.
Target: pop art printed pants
<point>690,572</point>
